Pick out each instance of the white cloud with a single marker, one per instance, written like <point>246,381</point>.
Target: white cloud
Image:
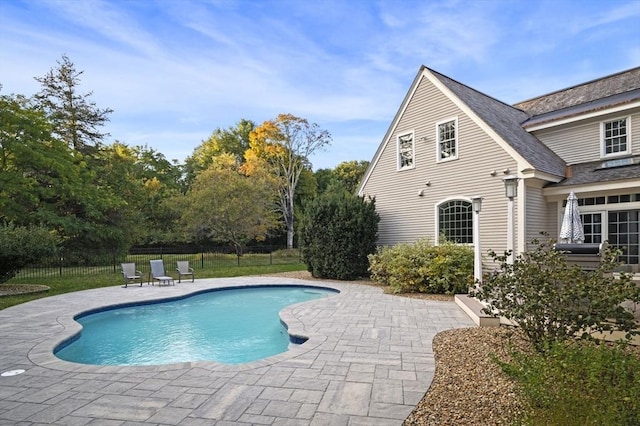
<point>174,71</point>
<point>106,19</point>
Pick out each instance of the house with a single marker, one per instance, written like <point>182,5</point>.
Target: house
<point>449,142</point>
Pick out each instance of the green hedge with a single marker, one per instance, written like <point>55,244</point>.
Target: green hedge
<point>20,246</point>
<point>423,267</point>
<point>339,232</point>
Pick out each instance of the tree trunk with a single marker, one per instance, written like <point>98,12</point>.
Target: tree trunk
<point>290,235</point>
<point>288,219</point>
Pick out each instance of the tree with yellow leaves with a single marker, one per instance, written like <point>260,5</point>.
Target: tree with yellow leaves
<point>282,147</point>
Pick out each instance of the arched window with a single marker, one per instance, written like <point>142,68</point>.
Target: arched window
<point>455,221</point>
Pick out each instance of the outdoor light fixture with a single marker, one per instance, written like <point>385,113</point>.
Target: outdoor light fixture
<point>476,203</point>
<point>510,191</point>
<point>511,186</point>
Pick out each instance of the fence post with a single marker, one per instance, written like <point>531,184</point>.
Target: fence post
<point>270,257</point>
<point>202,258</point>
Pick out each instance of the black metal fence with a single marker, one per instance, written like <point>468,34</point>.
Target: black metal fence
<point>96,262</point>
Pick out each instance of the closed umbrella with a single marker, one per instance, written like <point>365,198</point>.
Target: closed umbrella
<point>572,230</point>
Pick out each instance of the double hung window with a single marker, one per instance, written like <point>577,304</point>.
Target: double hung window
<point>615,137</point>
<point>406,151</point>
<point>447,137</point>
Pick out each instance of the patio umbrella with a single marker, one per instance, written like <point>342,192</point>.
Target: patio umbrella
<point>572,230</point>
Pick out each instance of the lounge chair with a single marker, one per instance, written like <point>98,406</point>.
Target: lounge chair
<point>184,269</point>
<point>130,273</point>
<point>157,273</point>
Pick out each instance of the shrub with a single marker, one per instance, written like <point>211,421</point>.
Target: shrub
<point>578,384</point>
<point>423,267</point>
<point>20,246</point>
<point>339,231</point>
<point>551,301</point>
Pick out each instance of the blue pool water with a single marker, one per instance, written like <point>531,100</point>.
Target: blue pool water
<point>229,326</point>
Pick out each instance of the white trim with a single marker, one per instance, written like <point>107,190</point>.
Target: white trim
<point>536,174</point>
<point>439,158</point>
<point>521,219</point>
<point>593,187</point>
<point>628,151</point>
<point>413,150</point>
<point>556,123</point>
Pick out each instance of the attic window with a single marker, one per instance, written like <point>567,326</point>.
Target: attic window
<point>615,135</point>
<point>447,137</point>
<point>406,151</point>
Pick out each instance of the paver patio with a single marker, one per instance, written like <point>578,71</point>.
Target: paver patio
<point>368,361</point>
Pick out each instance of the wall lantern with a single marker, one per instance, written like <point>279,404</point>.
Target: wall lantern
<point>511,186</point>
<point>476,203</point>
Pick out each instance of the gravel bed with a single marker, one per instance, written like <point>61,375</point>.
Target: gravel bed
<point>469,387</point>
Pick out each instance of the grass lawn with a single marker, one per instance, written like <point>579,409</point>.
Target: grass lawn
<point>67,284</point>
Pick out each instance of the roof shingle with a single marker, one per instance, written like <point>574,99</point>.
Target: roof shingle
<point>580,94</point>
<point>507,121</point>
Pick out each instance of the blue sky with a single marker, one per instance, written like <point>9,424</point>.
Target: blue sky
<point>175,70</point>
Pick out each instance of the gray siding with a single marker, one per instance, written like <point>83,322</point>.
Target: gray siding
<point>537,216</point>
<point>580,142</point>
<point>553,219</point>
<point>405,216</point>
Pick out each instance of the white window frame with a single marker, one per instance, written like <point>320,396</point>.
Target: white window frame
<point>603,148</point>
<point>456,139</point>
<point>399,152</point>
<point>437,218</point>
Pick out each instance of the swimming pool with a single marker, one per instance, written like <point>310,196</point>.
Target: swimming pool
<point>229,326</point>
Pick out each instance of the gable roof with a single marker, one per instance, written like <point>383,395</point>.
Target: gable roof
<point>507,121</point>
<point>510,123</point>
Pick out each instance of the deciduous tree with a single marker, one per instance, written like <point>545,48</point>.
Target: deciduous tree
<point>350,173</point>
<point>283,146</point>
<point>234,141</point>
<point>226,205</point>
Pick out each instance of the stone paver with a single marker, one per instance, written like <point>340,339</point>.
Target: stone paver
<point>367,361</point>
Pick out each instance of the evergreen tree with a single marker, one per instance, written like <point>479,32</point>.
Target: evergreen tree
<point>76,119</point>
<point>339,233</point>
